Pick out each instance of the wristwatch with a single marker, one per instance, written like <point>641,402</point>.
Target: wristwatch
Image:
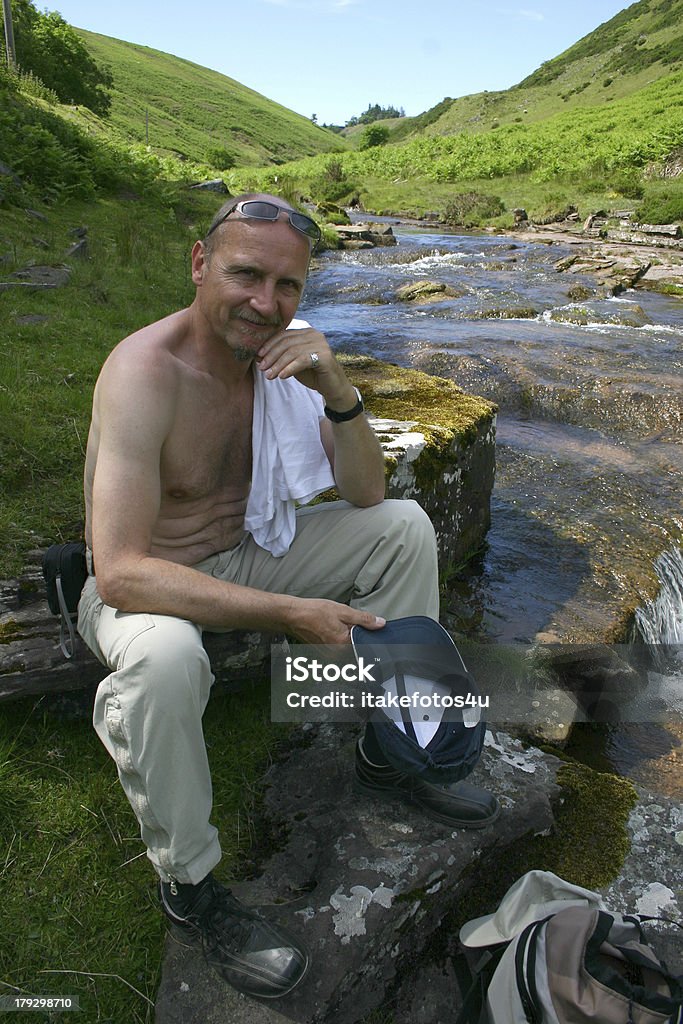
<point>350,414</point>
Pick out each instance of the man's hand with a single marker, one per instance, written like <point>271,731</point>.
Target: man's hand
<point>288,354</point>
<point>316,621</point>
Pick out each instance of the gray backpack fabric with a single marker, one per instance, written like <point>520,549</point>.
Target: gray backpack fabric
<point>580,965</point>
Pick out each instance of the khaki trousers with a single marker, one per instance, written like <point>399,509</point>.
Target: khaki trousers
<point>148,711</point>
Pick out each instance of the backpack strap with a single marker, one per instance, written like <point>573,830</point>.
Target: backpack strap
<point>474,982</point>
<point>525,971</point>
<point>67,634</point>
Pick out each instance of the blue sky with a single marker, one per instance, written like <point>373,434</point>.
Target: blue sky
<point>334,57</point>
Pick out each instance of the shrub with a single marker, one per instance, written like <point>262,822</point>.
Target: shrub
<point>471,209</point>
<point>331,184</point>
<point>666,208</point>
<point>220,157</point>
<point>373,135</point>
<point>628,183</point>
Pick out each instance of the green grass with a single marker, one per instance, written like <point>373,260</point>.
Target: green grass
<point>178,107</point>
<point>137,272</point>
<point>79,903</point>
<point>572,145</point>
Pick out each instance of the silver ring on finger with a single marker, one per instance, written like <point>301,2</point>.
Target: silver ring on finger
<point>315,359</point>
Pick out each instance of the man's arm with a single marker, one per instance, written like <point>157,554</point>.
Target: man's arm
<point>135,411</point>
<point>352,447</point>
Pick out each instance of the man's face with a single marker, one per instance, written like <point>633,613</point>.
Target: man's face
<point>250,287</point>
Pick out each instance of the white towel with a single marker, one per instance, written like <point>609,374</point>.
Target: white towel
<point>289,463</point>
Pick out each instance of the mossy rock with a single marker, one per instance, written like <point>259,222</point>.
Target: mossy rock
<point>505,313</point>
<point>427,291</point>
<point>626,316</point>
<point>393,392</point>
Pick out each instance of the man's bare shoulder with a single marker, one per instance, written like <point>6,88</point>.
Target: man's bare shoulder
<point>153,347</point>
<point>147,355</point>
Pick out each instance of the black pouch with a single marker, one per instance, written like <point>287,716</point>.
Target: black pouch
<point>65,571</point>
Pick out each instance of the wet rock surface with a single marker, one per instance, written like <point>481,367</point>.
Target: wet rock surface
<point>365,884</point>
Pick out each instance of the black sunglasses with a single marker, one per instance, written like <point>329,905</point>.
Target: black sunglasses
<point>261,209</point>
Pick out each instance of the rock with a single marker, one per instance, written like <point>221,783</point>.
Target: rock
<point>668,230</point>
<point>31,318</point>
<point>637,237</point>
<point>649,881</point>
<point>36,214</point>
<point>356,244</point>
<point>377,233</point>
<point>38,278</point>
<point>663,278</point>
<point>41,243</point>
<point>616,270</point>
<point>505,313</point>
<point>629,315</point>
<point>602,681</point>
<point>215,185</point>
<point>79,232</point>
<point>566,262</point>
<point>368,885</point>
<point>79,250</point>
<point>439,444</point>
<point>7,172</point>
<point>425,291</point>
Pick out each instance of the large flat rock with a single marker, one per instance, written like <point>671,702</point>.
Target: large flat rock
<point>365,884</point>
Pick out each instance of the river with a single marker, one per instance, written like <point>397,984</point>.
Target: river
<point>589,440</point>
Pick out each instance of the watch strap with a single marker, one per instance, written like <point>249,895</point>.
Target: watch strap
<point>349,414</point>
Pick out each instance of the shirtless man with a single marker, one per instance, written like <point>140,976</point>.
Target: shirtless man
<point>167,482</point>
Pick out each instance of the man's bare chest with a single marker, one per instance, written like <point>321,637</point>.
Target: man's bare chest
<point>208,449</point>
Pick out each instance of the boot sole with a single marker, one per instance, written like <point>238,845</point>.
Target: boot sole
<point>444,819</point>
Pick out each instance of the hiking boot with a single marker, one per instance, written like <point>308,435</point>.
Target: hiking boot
<point>252,955</point>
<point>457,804</point>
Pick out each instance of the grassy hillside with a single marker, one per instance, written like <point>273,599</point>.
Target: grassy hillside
<point>589,151</point>
<point>640,45</point>
<point>178,107</point>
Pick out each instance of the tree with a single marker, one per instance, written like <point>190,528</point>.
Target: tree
<point>375,113</point>
<point>49,47</point>
<point>373,135</point>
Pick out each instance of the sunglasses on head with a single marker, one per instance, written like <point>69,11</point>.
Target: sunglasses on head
<point>261,209</point>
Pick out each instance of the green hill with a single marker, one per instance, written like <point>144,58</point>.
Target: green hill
<point>640,45</point>
<point>180,108</point>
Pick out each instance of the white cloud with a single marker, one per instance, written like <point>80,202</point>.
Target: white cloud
<point>530,15</point>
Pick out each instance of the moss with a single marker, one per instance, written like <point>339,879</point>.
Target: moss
<point>587,846</point>
<point>591,839</point>
<point>9,631</point>
<point>438,407</point>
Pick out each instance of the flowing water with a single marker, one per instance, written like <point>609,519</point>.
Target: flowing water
<point>589,438</point>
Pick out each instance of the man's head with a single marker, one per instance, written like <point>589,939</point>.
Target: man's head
<point>264,207</point>
<point>250,271</point>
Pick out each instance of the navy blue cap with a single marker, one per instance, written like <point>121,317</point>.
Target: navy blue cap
<point>428,734</point>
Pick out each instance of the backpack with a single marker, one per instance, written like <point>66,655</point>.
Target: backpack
<point>432,728</point>
<point>578,965</point>
<point>65,572</point>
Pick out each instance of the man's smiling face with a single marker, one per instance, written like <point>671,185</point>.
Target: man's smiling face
<point>250,286</point>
